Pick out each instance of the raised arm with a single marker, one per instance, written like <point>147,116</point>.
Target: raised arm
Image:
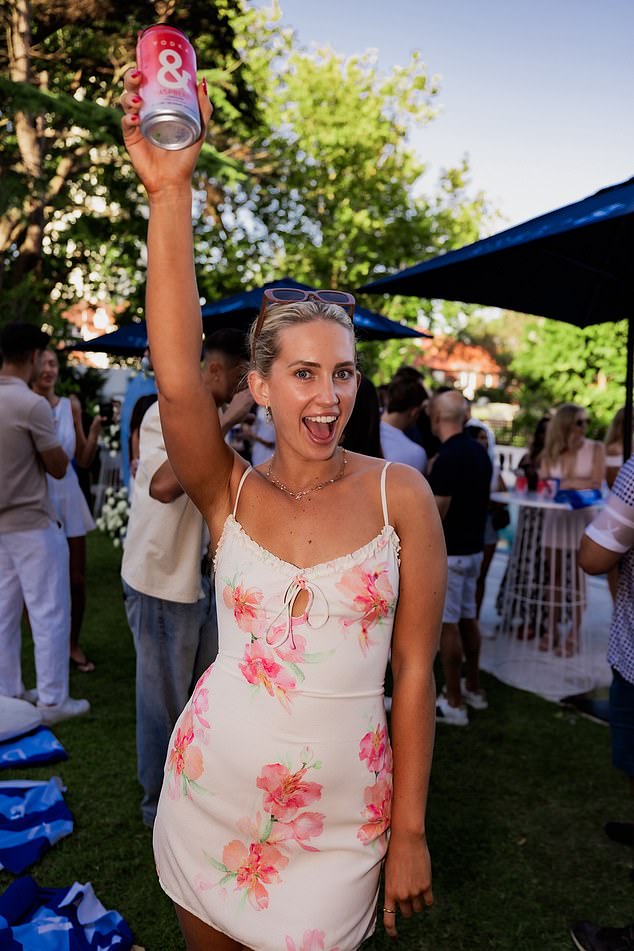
<point>423,580</point>
<point>200,458</point>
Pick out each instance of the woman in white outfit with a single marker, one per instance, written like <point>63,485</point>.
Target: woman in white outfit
<point>66,496</point>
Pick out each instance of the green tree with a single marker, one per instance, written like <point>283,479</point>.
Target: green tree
<point>71,210</point>
<point>557,362</point>
<point>338,198</point>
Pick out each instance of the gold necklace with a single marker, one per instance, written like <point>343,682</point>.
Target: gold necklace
<point>315,488</point>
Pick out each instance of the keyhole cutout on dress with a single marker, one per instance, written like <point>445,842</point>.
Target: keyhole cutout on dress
<point>300,603</point>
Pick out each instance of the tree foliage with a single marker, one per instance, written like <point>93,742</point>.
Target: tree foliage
<point>71,210</point>
<point>308,170</point>
<point>559,363</point>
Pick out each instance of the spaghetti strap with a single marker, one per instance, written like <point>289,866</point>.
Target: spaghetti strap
<point>383,494</point>
<point>240,484</point>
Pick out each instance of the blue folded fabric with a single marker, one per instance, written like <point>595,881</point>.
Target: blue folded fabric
<point>33,817</point>
<point>579,498</point>
<point>31,749</point>
<point>59,919</point>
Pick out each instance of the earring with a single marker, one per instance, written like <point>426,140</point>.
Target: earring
<point>267,414</point>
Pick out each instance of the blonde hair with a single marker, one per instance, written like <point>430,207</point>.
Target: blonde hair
<point>560,429</point>
<point>265,347</point>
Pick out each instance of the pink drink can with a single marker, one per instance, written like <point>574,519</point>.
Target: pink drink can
<point>170,116</point>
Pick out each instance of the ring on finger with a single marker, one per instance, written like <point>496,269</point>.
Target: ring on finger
<point>389,911</point>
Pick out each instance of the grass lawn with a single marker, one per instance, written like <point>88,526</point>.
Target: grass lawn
<point>517,806</point>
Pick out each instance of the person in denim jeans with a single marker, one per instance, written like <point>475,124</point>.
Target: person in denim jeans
<point>165,572</point>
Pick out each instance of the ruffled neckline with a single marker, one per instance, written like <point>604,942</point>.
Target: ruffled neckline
<point>341,562</point>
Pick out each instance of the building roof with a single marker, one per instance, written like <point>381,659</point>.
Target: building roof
<point>454,356</point>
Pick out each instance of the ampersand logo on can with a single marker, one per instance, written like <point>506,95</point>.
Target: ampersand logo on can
<point>168,74</point>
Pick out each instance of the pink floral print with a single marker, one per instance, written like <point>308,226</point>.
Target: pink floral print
<point>261,669</point>
<point>375,749</point>
<point>285,792</point>
<point>312,941</point>
<point>200,707</point>
<point>254,867</point>
<point>246,606</point>
<point>185,760</point>
<point>369,594</point>
<point>271,660</point>
<point>258,862</point>
<point>376,812</point>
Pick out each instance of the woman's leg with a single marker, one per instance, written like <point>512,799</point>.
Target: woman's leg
<point>201,937</point>
<point>77,555</point>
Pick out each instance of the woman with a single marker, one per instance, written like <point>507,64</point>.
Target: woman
<point>67,497</point>
<point>578,463</point>
<point>272,824</point>
<point>614,447</point>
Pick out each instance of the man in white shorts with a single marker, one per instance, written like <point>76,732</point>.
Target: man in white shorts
<point>33,547</point>
<point>460,480</point>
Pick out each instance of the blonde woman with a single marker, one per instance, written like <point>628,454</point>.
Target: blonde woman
<point>272,826</point>
<point>578,463</point>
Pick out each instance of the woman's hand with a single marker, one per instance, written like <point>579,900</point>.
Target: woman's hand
<point>160,170</point>
<point>407,879</point>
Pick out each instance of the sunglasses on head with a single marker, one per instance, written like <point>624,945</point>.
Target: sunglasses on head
<point>581,422</point>
<point>294,295</point>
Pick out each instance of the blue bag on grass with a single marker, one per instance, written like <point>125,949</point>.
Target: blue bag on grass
<point>59,919</point>
<point>31,749</point>
<point>33,817</point>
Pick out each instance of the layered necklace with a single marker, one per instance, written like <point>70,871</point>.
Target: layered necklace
<point>315,488</point>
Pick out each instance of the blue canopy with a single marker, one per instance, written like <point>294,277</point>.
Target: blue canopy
<point>572,264</point>
<point>242,308</point>
<point>239,310</point>
<point>128,341</point>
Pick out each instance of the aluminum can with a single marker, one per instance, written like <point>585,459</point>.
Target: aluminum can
<point>170,116</point>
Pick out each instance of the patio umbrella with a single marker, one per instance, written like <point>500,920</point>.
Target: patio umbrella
<point>572,264</point>
<point>128,341</point>
<point>242,308</point>
<point>238,311</point>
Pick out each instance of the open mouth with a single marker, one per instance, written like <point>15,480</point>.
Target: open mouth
<point>320,428</point>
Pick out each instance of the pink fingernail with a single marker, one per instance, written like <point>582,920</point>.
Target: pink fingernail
<point>205,85</point>
<point>134,118</point>
<point>135,74</point>
<point>136,99</point>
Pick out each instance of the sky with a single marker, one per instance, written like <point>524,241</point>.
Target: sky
<point>539,94</point>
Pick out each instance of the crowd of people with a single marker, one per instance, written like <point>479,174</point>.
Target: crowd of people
<point>288,538</point>
<point>168,578</point>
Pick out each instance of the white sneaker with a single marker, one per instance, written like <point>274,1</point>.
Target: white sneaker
<point>63,711</point>
<point>453,716</point>
<point>476,699</point>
